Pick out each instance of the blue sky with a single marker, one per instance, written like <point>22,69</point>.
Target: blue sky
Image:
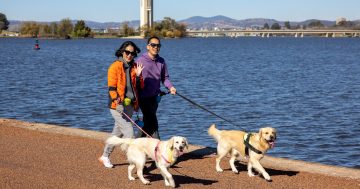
<point>127,10</point>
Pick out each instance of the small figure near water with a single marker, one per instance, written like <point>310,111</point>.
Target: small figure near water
<point>37,46</point>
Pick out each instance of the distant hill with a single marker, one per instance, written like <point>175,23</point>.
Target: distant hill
<point>198,22</point>
<point>104,25</point>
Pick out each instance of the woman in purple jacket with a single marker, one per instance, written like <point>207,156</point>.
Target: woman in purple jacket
<point>154,73</point>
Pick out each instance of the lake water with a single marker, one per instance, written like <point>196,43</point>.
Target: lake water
<point>307,88</point>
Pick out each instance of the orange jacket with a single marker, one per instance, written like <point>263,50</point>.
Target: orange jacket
<point>117,84</point>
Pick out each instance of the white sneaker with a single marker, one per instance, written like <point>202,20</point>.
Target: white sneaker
<point>106,161</point>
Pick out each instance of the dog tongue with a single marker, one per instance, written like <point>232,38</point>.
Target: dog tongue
<point>272,144</point>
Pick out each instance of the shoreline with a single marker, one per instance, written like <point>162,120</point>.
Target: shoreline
<point>186,37</point>
<point>267,161</point>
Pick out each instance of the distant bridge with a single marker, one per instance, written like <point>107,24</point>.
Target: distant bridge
<point>269,33</point>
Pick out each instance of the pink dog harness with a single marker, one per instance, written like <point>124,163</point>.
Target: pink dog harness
<point>157,149</point>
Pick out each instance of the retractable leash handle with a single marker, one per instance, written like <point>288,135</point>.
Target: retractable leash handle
<point>162,93</point>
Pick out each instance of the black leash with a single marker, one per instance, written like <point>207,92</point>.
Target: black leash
<point>194,103</point>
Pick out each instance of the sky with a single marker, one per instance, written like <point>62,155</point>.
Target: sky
<point>128,10</point>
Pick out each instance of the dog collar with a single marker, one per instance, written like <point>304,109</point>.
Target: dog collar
<point>248,146</point>
<point>157,149</point>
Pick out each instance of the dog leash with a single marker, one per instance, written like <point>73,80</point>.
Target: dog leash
<point>211,112</point>
<point>133,122</point>
<point>150,137</point>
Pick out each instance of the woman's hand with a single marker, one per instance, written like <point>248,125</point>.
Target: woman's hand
<point>138,69</point>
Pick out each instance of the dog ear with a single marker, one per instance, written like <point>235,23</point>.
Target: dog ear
<point>275,133</point>
<point>260,133</point>
<point>186,143</point>
<point>170,144</point>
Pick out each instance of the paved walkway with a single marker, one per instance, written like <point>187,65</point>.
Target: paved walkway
<point>48,156</point>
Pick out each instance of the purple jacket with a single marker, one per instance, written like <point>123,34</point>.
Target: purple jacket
<point>154,73</point>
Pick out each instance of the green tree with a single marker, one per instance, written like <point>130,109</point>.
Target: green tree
<point>126,30</point>
<point>287,25</point>
<point>168,23</point>
<point>4,23</point>
<point>65,28</point>
<point>54,29</point>
<point>275,26</point>
<point>80,25</point>
<point>81,30</point>
<point>30,29</point>
<point>158,26</point>
<point>166,28</point>
<point>180,30</point>
<point>266,26</point>
<point>44,30</point>
<point>315,24</point>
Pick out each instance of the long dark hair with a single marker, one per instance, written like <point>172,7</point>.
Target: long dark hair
<point>123,46</point>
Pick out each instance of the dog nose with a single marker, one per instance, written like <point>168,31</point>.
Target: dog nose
<point>181,147</point>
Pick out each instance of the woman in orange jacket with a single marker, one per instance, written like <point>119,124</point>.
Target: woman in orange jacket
<point>124,81</point>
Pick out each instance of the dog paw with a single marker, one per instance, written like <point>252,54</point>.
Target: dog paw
<point>146,182</point>
<point>131,178</point>
<point>219,170</point>
<point>251,174</point>
<point>235,171</point>
<point>267,178</point>
<point>170,184</point>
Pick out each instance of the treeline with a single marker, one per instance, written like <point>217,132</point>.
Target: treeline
<point>4,23</point>
<point>167,28</point>
<point>64,29</point>
<point>316,24</point>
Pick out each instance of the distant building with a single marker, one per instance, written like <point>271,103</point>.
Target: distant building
<point>98,30</point>
<point>112,30</point>
<point>146,14</point>
<point>340,21</point>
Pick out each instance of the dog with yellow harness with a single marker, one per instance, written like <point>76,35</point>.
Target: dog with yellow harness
<point>251,145</point>
<point>164,153</point>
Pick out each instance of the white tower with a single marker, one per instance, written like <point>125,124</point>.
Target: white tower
<point>146,14</point>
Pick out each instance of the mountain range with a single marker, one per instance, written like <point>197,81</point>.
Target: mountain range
<point>199,22</point>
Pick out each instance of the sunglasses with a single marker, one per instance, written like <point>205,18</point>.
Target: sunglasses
<point>153,45</point>
<point>129,52</point>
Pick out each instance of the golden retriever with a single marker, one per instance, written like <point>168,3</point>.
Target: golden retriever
<point>233,142</point>
<point>164,153</point>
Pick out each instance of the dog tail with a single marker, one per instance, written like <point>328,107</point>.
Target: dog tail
<point>214,132</point>
<point>114,140</point>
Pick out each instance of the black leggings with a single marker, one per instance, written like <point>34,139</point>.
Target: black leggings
<point>148,108</point>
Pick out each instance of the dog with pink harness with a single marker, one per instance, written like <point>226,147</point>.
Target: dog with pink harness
<point>164,153</point>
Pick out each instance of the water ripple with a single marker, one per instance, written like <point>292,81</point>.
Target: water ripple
<point>308,89</point>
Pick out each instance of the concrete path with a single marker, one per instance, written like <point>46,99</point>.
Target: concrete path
<point>35,155</point>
